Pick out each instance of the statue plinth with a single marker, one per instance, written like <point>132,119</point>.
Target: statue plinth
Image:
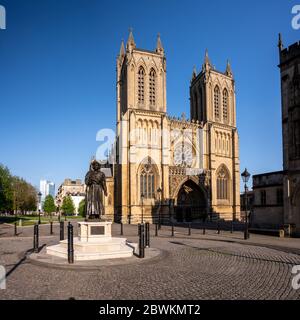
<point>93,231</point>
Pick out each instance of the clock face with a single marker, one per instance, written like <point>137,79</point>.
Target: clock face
<point>183,155</point>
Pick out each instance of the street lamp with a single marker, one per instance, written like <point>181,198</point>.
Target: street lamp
<point>159,191</point>
<point>39,198</point>
<point>245,176</point>
<point>142,198</point>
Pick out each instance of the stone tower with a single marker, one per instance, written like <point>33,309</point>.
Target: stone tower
<point>290,92</point>
<point>212,102</point>
<point>141,114</point>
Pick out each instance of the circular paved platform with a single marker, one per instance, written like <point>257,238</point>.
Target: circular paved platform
<point>46,260</point>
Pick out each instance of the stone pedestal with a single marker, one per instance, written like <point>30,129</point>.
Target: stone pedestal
<point>94,242</point>
<point>94,231</point>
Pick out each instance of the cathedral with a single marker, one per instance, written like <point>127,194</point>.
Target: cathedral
<point>169,169</point>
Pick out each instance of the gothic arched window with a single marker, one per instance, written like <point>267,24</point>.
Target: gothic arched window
<point>147,181</point>
<point>222,184</point>
<point>152,91</point>
<point>225,105</point>
<point>217,102</point>
<point>141,86</point>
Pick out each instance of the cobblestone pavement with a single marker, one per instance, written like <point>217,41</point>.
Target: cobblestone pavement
<point>195,267</point>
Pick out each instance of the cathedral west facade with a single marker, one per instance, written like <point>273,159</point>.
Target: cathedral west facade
<point>172,169</point>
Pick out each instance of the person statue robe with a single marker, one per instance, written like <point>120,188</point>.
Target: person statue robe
<point>95,188</point>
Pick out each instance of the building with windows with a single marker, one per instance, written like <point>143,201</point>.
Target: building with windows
<point>290,99</point>
<point>47,188</point>
<point>268,201</point>
<point>73,188</point>
<point>277,194</point>
<point>174,168</point>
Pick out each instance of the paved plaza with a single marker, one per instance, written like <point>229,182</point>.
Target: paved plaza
<point>209,266</point>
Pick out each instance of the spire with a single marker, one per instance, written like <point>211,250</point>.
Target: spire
<point>206,65</point>
<point>130,42</point>
<point>228,71</point>
<point>122,49</point>
<point>280,44</point>
<point>159,46</point>
<point>194,74</point>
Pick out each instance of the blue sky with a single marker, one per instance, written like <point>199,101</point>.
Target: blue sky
<point>57,73</point>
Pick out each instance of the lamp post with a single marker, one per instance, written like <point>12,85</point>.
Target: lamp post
<point>39,198</point>
<point>142,198</point>
<point>159,191</point>
<point>245,176</point>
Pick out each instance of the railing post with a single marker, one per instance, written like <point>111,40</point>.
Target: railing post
<point>122,233</point>
<point>156,229</point>
<point>36,238</point>
<point>141,241</point>
<point>61,229</point>
<point>147,235</point>
<point>70,243</point>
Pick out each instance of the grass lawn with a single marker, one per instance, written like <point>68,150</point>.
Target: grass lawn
<point>31,220</point>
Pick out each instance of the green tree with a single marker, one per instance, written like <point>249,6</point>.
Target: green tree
<point>6,189</point>
<point>81,208</point>
<point>15,193</point>
<point>49,205</point>
<point>68,205</point>
<point>24,195</point>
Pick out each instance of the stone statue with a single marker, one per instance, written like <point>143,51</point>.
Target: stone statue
<point>95,188</point>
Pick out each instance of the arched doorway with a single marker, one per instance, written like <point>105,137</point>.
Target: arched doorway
<point>191,203</point>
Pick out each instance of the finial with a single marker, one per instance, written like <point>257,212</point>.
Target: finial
<point>194,74</point>
<point>206,65</point>
<point>228,71</point>
<point>159,46</point>
<point>122,49</point>
<point>280,44</point>
<point>130,42</point>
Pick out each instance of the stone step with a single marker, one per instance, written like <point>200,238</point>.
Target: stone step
<point>105,245</point>
<point>123,251</point>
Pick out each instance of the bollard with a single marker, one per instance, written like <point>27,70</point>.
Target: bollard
<point>172,230</point>
<point>36,238</point>
<point>156,230</point>
<point>231,231</point>
<point>61,229</point>
<point>16,233</point>
<point>122,229</point>
<point>218,227</point>
<point>147,235</point>
<point>141,241</point>
<point>51,227</point>
<point>190,232</point>
<point>204,230</point>
<point>70,243</point>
